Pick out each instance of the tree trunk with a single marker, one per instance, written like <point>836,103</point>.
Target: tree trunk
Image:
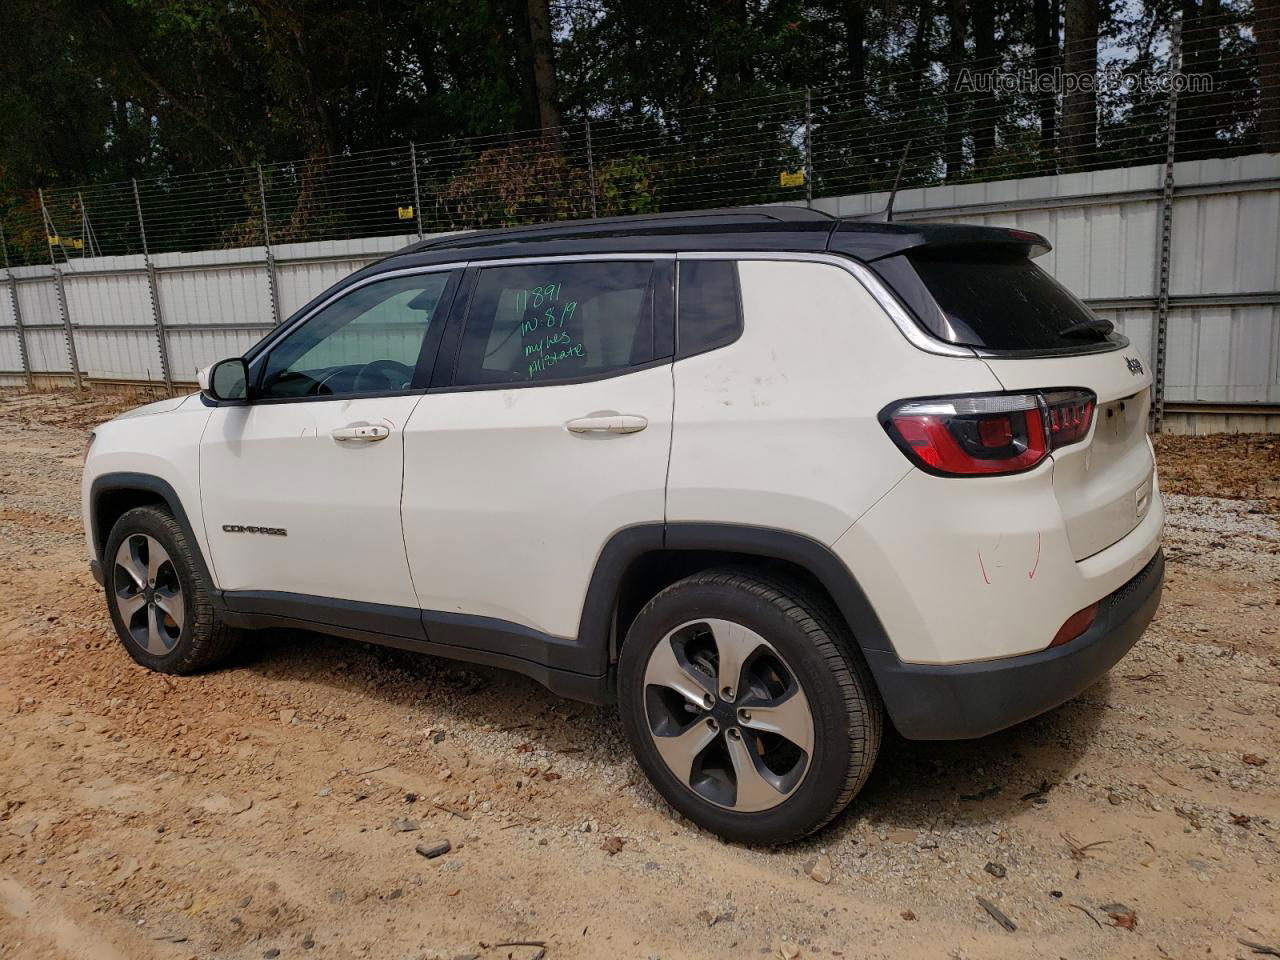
<point>544,65</point>
<point>855,52</point>
<point>1200,112</point>
<point>1267,19</point>
<point>734,72</point>
<point>953,143</point>
<point>1045,41</point>
<point>918,116</point>
<point>984,101</point>
<point>1080,67</point>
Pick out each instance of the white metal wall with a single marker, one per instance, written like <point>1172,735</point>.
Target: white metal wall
<point>1224,319</point>
<point>1224,315</point>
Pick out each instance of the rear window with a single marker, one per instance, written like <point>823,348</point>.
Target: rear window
<point>557,321</point>
<point>992,301</point>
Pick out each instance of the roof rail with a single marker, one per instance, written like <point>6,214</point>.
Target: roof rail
<point>469,238</point>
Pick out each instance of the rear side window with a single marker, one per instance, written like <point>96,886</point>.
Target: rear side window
<point>557,321</point>
<point>993,301</point>
<point>708,306</point>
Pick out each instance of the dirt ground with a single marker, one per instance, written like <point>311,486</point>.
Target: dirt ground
<point>273,808</point>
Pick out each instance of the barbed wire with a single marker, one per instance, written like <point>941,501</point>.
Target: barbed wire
<point>912,125</point>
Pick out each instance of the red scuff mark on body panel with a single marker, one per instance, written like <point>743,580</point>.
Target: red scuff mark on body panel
<point>1036,566</point>
<point>983,568</point>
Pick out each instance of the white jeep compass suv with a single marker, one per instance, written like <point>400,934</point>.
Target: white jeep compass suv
<point>759,476</point>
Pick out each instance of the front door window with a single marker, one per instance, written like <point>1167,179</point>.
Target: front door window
<point>365,343</point>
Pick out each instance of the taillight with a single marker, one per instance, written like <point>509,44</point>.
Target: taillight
<point>88,443</point>
<point>1070,415</point>
<point>988,434</point>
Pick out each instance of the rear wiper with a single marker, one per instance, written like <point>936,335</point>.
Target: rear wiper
<point>1095,327</point>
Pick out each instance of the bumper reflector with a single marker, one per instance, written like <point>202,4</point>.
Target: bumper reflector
<point>1076,624</point>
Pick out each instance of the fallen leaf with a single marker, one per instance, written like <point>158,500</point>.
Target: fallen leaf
<point>1121,916</point>
<point>612,845</point>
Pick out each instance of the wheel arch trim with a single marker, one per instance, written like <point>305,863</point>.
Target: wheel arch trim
<point>630,544</point>
<point>143,483</point>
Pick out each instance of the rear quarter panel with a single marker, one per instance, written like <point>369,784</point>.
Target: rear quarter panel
<point>779,429</point>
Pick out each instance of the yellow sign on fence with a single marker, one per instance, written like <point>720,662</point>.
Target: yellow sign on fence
<point>404,213</point>
<point>787,179</point>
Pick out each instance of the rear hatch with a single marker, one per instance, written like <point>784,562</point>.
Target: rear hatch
<point>1036,336</point>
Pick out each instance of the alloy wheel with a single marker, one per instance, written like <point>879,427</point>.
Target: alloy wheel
<point>148,594</point>
<point>727,715</point>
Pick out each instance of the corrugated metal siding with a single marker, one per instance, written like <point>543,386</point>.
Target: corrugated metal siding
<point>1103,226</point>
<point>38,301</point>
<point>300,282</point>
<point>118,354</point>
<point>192,348</point>
<point>10,358</point>
<point>6,304</point>
<point>215,295</point>
<point>48,351</point>
<point>1226,242</point>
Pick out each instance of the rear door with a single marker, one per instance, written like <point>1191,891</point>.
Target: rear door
<point>1035,335</point>
<point>548,432</point>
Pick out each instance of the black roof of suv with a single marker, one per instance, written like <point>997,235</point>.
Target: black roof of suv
<point>788,229</point>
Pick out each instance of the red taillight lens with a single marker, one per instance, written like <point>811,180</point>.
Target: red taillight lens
<point>989,435</point>
<point>1070,414</point>
<point>1076,624</point>
<point>972,436</point>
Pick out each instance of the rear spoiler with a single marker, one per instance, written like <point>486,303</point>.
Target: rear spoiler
<point>874,241</point>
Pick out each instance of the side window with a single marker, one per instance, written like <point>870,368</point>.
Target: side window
<point>365,342</point>
<point>708,306</point>
<point>557,321</point>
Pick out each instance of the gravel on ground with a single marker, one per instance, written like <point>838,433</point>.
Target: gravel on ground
<point>322,798</point>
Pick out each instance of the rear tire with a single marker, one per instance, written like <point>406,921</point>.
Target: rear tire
<point>748,706</point>
<point>158,596</point>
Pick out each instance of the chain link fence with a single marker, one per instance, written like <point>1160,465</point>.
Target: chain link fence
<point>1185,95</point>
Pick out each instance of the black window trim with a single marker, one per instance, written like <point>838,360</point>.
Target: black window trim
<point>444,378</point>
<point>260,352</point>
<point>739,330</point>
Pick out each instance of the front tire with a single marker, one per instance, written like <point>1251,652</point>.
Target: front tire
<point>747,706</point>
<point>158,596</point>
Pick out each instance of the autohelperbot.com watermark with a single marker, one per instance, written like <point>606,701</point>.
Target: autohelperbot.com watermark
<point>1057,80</point>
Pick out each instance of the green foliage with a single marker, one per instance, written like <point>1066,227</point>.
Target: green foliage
<point>693,103</point>
<point>506,186</point>
<point>627,185</point>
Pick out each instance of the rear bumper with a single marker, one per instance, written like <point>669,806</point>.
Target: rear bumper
<point>965,700</point>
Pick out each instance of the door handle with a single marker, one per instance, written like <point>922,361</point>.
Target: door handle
<point>361,431</point>
<point>608,423</point>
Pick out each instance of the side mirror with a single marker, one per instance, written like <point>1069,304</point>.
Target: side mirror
<point>227,381</point>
